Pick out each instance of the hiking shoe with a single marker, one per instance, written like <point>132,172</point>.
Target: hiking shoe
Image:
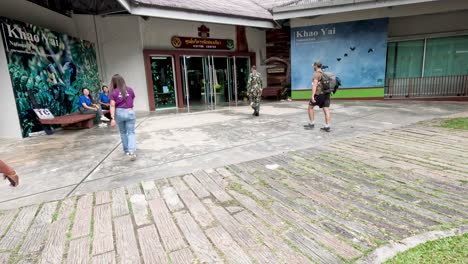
<point>257,114</point>
<point>104,119</point>
<point>102,125</point>
<point>132,156</point>
<point>309,126</point>
<point>326,129</point>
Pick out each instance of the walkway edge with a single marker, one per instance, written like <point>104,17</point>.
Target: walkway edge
<point>384,253</point>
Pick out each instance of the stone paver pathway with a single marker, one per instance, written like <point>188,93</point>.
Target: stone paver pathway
<point>331,204</point>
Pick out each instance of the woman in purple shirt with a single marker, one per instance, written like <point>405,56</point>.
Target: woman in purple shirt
<point>122,114</point>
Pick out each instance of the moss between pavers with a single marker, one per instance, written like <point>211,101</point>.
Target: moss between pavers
<point>448,250</point>
<point>56,212</point>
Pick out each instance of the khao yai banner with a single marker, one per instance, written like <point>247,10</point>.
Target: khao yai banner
<point>47,69</point>
<point>355,51</point>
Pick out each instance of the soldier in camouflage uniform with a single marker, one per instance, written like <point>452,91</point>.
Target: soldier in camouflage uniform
<point>254,90</point>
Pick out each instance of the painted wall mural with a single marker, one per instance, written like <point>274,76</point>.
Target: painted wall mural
<point>47,70</point>
<point>355,51</point>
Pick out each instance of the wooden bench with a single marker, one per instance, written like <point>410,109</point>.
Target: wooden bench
<point>73,120</point>
<point>272,91</point>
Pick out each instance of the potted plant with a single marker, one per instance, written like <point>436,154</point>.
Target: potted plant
<point>244,95</point>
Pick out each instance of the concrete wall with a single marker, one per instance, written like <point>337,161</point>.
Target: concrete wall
<point>122,53</point>
<point>418,25</point>
<point>27,12</point>
<point>9,121</point>
<point>119,50</point>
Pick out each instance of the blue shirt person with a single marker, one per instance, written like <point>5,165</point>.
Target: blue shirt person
<point>87,107</point>
<point>84,100</point>
<point>104,100</point>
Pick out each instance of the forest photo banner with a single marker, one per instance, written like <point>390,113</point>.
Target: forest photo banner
<point>47,70</point>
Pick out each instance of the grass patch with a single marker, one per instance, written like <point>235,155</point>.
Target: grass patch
<point>56,213</point>
<point>447,250</point>
<point>263,183</point>
<point>72,220</point>
<point>456,123</point>
<point>463,182</point>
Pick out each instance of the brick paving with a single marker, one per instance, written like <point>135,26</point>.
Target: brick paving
<point>332,204</point>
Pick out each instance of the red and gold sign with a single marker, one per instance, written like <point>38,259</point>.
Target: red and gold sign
<point>202,43</point>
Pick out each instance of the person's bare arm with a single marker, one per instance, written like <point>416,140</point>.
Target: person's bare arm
<point>314,88</point>
<point>112,112</point>
<point>103,104</point>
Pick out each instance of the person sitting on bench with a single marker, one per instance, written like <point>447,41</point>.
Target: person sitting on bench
<point>87,107</point>
<point>9,174</point>
<point>104,100</point>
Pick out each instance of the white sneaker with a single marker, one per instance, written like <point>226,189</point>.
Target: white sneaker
<point>102,125</point>
<point>105,119</point>
<point>132,156</point>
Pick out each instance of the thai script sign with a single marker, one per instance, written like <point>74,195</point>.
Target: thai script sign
<point>202,43</point>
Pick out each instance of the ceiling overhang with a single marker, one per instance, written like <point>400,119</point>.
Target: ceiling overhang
<point>334,7</point>
<point>190,15</point>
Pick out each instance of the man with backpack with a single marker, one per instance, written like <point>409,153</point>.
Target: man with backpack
<point>321,90</point>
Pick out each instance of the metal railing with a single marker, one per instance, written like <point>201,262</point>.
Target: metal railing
<point>440,86</point>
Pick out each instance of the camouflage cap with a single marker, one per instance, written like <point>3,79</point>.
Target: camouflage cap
<point>318,63</point>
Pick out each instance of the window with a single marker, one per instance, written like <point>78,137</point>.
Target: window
<point>447,56</point>
<point>444,57</point>
<point>404,59</point>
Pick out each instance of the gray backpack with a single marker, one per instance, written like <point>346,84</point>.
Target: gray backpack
<point>330,83</point>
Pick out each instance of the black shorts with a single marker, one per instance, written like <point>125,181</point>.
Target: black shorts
<point>321,100</point>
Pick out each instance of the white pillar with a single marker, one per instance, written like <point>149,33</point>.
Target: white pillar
<point>9,120</point>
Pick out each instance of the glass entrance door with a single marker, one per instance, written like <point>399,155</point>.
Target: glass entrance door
<point>241,73</point>
<point>196,81</point>
<point>162,74</point>
<point>211,81</point>
<point>208,83</point>
<point>222,80</point>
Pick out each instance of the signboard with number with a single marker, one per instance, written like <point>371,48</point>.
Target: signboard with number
<point>276,70</point>
<point>44,113</point>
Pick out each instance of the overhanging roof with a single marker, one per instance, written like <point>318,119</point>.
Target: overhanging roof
<point>88,7</point>
<point>310,8</point>
<point>253,13</point>
<point>238,12</point>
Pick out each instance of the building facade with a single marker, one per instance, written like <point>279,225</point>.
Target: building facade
<point>391,49</point>
<point>187,54</point>
<point>208,69</point>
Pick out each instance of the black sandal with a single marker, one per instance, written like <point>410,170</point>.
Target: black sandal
<point>13,179</point>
